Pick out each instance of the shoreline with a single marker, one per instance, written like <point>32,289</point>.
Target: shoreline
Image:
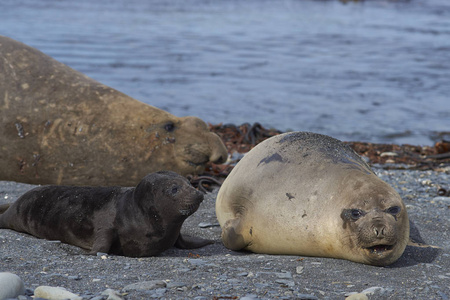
<point>242,138</point>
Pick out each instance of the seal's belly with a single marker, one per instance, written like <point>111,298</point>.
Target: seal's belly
<point>290,226</point>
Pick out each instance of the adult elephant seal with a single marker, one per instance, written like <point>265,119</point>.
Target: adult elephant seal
<point>57,126</point>
<point>136,222</point>
<point>308,194</point>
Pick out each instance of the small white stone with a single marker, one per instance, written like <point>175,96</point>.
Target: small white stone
<point>357,296</point>
<point>388,154</point>
<point>11,286</point>
<point>426,182</point>
<point>54,293</point>
<point>112,294</point>
<point>373,290</point>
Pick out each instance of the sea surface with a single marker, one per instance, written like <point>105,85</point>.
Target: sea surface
<point>374,70</point>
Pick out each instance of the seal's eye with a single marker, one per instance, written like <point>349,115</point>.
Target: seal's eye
<point>394,210</point>
<point>174,190</point>
<point>355,214</point>
<point>169,127</point>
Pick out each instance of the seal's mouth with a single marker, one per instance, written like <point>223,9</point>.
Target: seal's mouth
<point>189,209</point>
<point>196,158</point>
<point>380,249</point>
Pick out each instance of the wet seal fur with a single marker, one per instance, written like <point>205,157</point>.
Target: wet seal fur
<point>58,126</point>
<point>136,222</point>
<point>308,194</point>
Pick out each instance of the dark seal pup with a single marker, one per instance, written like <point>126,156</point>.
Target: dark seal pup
<point>136,222</point>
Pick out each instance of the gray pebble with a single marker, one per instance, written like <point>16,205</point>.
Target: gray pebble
<point>306,297</point>
<point>284,275</point>
<point>183,270</point>
<point>158,293</point>
<point>442,199</point>
<point>144,285</point>
<point>207,224</point>
<point>249,297</point>
<point>261,285</point>
<point>289,283</point>
<point>443,296</point>
<point>175,284</point>
<point>11,286</point>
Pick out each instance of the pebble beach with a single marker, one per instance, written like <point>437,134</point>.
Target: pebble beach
<point>214,272</point>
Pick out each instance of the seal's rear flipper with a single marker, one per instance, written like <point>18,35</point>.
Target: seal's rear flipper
<point>191,242</point>
<point>4,207</point>
<point>415,239</point>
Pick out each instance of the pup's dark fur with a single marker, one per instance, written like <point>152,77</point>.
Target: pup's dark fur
<point>140,221</point>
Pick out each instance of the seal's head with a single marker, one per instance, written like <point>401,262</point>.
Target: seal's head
<point>194,145</point>
<point>376,223</point>
<point>169,195</point>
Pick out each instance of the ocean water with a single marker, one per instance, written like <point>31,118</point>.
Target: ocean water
<point>374,70</point>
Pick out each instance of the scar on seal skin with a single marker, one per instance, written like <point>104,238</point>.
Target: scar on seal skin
<point>136,222</point>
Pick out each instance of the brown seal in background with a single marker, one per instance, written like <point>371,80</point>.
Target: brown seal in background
<point>58,126</point>
<point>141,221</point>
<point>308,194</point>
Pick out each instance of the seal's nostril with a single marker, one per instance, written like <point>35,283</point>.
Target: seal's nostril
<point>379,231</point>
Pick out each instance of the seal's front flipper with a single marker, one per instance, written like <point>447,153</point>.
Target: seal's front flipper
<point>191,242</point>
<point>102,242</point>
<point>231,235</point>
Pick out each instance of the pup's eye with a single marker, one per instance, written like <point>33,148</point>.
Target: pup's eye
<point>174,190</point>
<point>355,214</point>
<point>169,127</point>
<point>394,210</point>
